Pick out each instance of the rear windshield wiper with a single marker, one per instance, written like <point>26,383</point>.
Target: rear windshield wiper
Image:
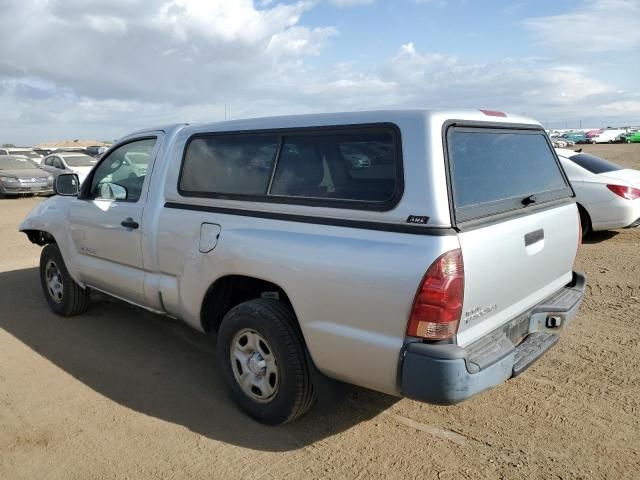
<point>531,199</point>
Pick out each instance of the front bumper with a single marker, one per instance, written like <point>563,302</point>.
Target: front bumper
<point>447,374</point>
<point>22,188</point>
<point>634,224</point>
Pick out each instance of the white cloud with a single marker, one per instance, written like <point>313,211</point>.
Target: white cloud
<point>350,3</point>
<point>106,24</point>
<point>103,69</point>
<point>437,3</point>
<point>597,26</point>
<point>297,41</point>
<point>622,107</point>
<point>412,78</point>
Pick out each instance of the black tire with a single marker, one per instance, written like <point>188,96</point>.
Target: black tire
<point>71,299</point>
<point>275,322</point>
<point>585,221</point>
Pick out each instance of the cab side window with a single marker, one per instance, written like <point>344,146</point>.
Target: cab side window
<point>120,176</point>
<point>57,163</point>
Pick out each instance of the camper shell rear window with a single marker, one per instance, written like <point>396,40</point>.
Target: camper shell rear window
<point>498,170</point>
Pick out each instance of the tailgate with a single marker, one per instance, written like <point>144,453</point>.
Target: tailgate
<point>518,223</point>
<point>513,265</point>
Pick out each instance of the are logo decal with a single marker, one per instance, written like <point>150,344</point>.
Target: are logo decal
<point>417,219</point>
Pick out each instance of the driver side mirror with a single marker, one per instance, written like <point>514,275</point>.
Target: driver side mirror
<point>66,185</point>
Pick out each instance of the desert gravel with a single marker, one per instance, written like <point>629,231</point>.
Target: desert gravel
<point>118,393</point>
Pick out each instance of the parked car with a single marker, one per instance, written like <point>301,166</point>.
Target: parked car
<point>137,162</point>
<point>575,137</point>
<point>43,152</point>
<point>69,150</point>
<point>608,136</point>
<point>435,270</point>
<point>558,142</point>
<point>632,137</point>
<point>594,133</point>
<point>69,162</point>
<point>20,175</point>
<point>95,151</point>
<point>608,195</point>
<point>22,152</point>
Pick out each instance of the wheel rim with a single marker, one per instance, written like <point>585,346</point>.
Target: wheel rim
<point>254,365</point>
<point>55,287</point>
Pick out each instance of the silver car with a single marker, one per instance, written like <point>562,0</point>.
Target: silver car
<point>426,254</point>
<point>20,175</point>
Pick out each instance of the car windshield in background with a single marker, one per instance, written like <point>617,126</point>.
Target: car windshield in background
<point>25,153</point>
<point>80,161</point>
<point>495,171</point>
<point>139,158</point>
<point>16,164</point>
<point>594,164</point>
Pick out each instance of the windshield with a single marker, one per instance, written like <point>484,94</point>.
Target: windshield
<point>25,153</point>
<point>594,164</point>
<point>16,164</point>
<point>80,161</point>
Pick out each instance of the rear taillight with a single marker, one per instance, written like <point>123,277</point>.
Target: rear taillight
<point>437,306</point>
<point>629,193</point>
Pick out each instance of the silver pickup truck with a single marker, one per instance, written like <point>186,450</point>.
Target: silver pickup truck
<point>426,254</point>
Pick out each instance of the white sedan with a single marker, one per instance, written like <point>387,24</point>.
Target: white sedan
<point>608,195</point>
<point>69,162</point>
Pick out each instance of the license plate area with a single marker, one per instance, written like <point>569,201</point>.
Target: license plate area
<point>517,329</point>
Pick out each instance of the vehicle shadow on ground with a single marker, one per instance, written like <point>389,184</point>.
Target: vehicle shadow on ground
<point>598,237</point>
<point>164,369</point>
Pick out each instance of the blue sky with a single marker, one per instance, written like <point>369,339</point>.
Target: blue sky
<point>453,28</point>
<point>98,69</point>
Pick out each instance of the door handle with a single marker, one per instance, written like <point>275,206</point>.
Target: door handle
<point>130,223</point>
<point>533,237</point>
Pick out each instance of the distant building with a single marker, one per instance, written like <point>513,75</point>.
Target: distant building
<point>74,143</point>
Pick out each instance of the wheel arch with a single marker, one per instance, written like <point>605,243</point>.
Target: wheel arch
<point>42,238</point>
<point>39,237</point>
<point>230,290</point>
<point>585,217</point>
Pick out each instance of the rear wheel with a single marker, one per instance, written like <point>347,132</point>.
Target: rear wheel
<point>64,296</point>
<point>585,221</point>
<point>263,360</point>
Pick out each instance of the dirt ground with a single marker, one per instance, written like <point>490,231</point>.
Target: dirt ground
<point>121,393</point>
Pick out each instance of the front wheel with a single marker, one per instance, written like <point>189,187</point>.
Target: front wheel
<point>262,356</point>
<point>64,296</point>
